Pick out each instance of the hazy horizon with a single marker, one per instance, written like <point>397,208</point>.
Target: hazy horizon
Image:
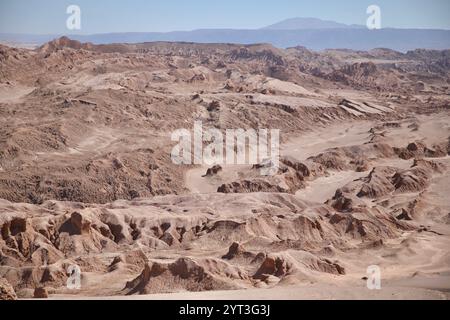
<point>47,17</point>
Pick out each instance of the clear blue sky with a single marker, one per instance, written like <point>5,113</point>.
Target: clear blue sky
<point>101,16</point>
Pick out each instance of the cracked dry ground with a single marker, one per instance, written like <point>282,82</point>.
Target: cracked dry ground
<point>86,177</point>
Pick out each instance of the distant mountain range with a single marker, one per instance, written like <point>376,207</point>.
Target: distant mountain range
<point>312,33</point>
<point>308,23</point>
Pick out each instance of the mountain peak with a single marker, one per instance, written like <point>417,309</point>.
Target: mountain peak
<point>307,23</point>
<point>63,42</point>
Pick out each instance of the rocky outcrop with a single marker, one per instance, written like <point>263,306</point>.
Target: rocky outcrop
<point>378,183</point>
<point>237,251</point>
<point>420,150</point>
<point>213,171</point>
<point>6,291</point>
<point>185,274</point>
<point>250,186</point>
<point>40,293</point>
<point>413,180</point>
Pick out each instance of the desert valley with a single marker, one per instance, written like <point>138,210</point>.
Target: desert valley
<point>87,180</point>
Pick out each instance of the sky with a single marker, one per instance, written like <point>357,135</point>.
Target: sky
<point>104,16</point>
